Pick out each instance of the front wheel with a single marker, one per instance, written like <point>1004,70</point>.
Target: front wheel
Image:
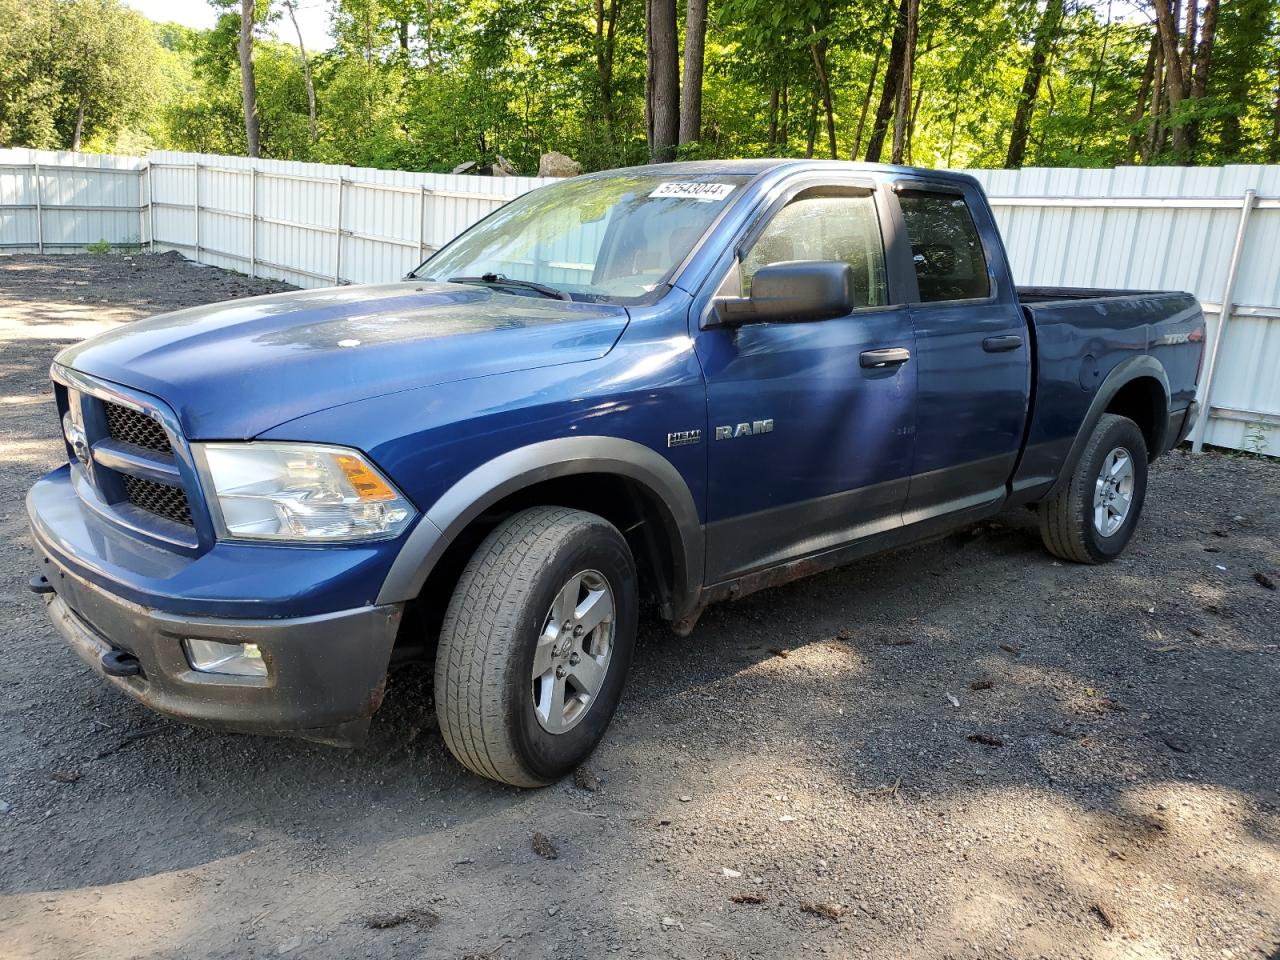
<point>1091,517</point>
<point>535,645</point>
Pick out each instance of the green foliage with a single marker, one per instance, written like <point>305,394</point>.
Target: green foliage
<point>427,84</point>
<point>74,65</point>
<point>102,246</point>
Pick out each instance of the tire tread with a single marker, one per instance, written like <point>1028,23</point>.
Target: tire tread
<point>479,633</point>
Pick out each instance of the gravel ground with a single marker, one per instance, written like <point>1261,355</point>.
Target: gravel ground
<point>799,777</point>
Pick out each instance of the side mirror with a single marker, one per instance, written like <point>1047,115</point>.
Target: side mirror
<point>790,292</point>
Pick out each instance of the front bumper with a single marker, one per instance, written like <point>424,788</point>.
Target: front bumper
<point>325,674</point>
<point>112,591</point>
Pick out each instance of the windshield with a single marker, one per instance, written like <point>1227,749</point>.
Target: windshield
<point>613,238</point>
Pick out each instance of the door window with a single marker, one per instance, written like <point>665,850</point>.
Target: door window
<point>826,225</point>
<point>945,247</point>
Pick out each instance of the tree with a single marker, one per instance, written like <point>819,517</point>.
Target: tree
<point>892,77</point>
<point>74,71</point>
<point>248,89</point>
<point>290,6</point>
<point>695,34</point>
<point>1045,31</point>
<point>900,121</point>
<point>663,89</point>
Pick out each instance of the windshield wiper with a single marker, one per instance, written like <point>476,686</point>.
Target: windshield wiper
<point>498,280</point>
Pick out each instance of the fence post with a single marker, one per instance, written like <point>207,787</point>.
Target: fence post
<point>337,236</point>
<point>39,209</point>
<point>1228,291</point>
<point>253,221</point>
<point>151,211</point>
<point>422,224</point>
<point>195,205</point>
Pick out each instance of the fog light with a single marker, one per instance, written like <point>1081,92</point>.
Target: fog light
<point>236,659</point>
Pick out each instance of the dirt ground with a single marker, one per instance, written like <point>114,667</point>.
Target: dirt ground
<point>801,777</point>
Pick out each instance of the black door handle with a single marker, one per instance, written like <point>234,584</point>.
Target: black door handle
<point>1001,344</point>
<point>891,356</point>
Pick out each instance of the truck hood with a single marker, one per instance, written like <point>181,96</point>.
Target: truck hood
<point>232,370</point>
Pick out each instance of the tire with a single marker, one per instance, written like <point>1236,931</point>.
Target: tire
<point>1070,523</point>
<point>497,718</point>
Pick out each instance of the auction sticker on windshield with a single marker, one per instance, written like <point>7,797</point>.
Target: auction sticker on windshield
<point>688,190</point>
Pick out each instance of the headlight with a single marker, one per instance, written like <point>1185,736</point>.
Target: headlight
<point>303,492</point>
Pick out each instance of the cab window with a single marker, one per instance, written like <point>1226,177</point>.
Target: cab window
<point>826,224</point>
<point>945,247</point>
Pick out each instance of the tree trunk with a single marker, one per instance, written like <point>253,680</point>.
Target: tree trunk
<point>1200,67</point>
<point>248,89</point>
<point>773,116</point>
<point>664,80</point>
<point>784,137</point>
<point>1102,59</point>
<point>1175,82</point>
<point>695,38</point>
<point>951,139</point>
<point>428,35</point>
<point>818,51</point>
<point>902,114</point>
<point>306,70</point>
<point>606,24</point>
<point>1140,108</point>
<point>812,128</point>
<point>1188,46</point>
<point>1157,106</point>
<point>911,123</point>
<point>866,103</point>
<point>1044,34</point>
<point>889,93</point>
<point>1273,150</point>
<point>75,137</point>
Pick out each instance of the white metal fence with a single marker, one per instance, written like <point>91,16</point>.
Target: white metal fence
<point>1213,231</point>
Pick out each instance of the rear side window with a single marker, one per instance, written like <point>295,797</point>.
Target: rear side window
<point>826,224</point>
<point>945,247</point>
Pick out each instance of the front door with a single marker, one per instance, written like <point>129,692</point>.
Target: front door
<point>810,442</point>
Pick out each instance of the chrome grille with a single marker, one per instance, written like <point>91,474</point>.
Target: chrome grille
<point>130,426</point>
<point>158,498</point>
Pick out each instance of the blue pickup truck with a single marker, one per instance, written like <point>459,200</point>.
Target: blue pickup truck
<point>670,385</point>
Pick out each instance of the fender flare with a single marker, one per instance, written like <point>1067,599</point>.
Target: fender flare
<point>564,456</point>
<point>1121,374</point>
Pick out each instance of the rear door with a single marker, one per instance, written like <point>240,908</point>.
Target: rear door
<point>972,356</point>
<point>810,441</point>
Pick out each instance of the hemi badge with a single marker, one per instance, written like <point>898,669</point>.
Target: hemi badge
<point>683,438</point>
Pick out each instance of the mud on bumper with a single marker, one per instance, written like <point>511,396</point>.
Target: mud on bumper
<point>325,674</point>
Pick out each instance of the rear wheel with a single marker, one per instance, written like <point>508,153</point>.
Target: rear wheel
<point>1091,517</point>
<point>535,646</point>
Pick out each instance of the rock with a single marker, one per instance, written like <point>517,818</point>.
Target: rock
<point>5,806</point>
<point>584,779</point>
<point>290,945</point>
<point>554,164</point>
<point>731,874</point>
<point>832,911</point>
<point>986,739</point>
<point>543,846</point>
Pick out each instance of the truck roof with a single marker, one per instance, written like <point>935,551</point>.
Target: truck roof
<point>758,166</point>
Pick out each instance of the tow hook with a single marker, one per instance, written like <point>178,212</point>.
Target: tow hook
<point>118,663</point>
